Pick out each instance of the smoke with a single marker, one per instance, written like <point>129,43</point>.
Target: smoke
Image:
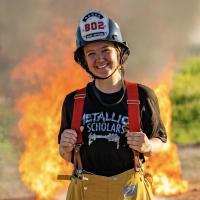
<point>156,31</point>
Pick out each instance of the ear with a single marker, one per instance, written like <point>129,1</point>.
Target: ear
<point>124,56</point>
<point>79,57</point>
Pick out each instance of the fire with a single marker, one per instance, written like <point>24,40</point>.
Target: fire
<point>165,165</point>
<point>57,74</point>
<point>51,69</point>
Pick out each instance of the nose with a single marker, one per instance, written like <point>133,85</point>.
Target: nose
<point>100,56</point>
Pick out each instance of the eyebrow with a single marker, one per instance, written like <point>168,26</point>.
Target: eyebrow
<point>91,50</point>
<point>105,46</point>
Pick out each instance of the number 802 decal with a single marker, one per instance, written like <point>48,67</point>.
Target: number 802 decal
<point>94,26</point>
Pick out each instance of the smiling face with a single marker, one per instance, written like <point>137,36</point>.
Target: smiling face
<point>101,57</point>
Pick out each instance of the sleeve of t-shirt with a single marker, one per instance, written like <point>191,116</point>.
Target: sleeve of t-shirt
<point>151,122</point>
<point>66,114</point>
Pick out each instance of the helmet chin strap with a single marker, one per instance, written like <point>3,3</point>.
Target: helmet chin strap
<point>98,96</point>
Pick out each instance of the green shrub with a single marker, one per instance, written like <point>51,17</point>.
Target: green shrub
<point>186,103</point>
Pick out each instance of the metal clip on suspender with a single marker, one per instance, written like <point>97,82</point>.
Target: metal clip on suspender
<point>77,166</point>
<point>78,169</point>
<point>134,117</point>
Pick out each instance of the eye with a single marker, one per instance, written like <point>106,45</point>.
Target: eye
<point>106,50</point>
<point>90,54</point>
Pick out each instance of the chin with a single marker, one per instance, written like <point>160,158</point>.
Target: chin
<point>102,75</point>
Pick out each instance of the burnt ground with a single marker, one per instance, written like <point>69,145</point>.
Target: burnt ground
<point>12,188</point>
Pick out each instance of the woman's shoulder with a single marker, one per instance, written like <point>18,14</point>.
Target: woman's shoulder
<point>70,96</point>
<point>146,91</point>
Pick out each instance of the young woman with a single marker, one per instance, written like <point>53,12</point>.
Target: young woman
<point>106,154</point>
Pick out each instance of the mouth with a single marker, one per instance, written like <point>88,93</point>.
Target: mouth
<point>102,66</point>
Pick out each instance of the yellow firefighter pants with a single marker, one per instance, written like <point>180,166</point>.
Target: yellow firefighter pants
<point>129,185</point>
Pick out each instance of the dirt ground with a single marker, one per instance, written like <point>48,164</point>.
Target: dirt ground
<point>190,162</point>
<point>12,189</point>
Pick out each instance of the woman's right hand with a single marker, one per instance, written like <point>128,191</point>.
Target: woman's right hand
<point>68,139</point>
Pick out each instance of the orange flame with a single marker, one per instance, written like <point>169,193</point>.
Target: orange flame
<point>165,165</point>
<point>57,74</point>
<point>52,69</point>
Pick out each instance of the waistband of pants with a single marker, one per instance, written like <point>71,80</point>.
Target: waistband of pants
<point>126,174</point>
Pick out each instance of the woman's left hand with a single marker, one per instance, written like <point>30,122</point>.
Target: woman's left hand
<point>139,141</point>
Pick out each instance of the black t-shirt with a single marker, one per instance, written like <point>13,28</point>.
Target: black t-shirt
<point>105,151</point>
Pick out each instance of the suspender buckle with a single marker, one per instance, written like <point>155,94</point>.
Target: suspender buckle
<point>132,101</point>
<point>78,174</point>
<point>80,96</point>
<point>77,147</point>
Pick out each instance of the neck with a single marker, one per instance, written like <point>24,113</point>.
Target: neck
<point>110,85</point>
